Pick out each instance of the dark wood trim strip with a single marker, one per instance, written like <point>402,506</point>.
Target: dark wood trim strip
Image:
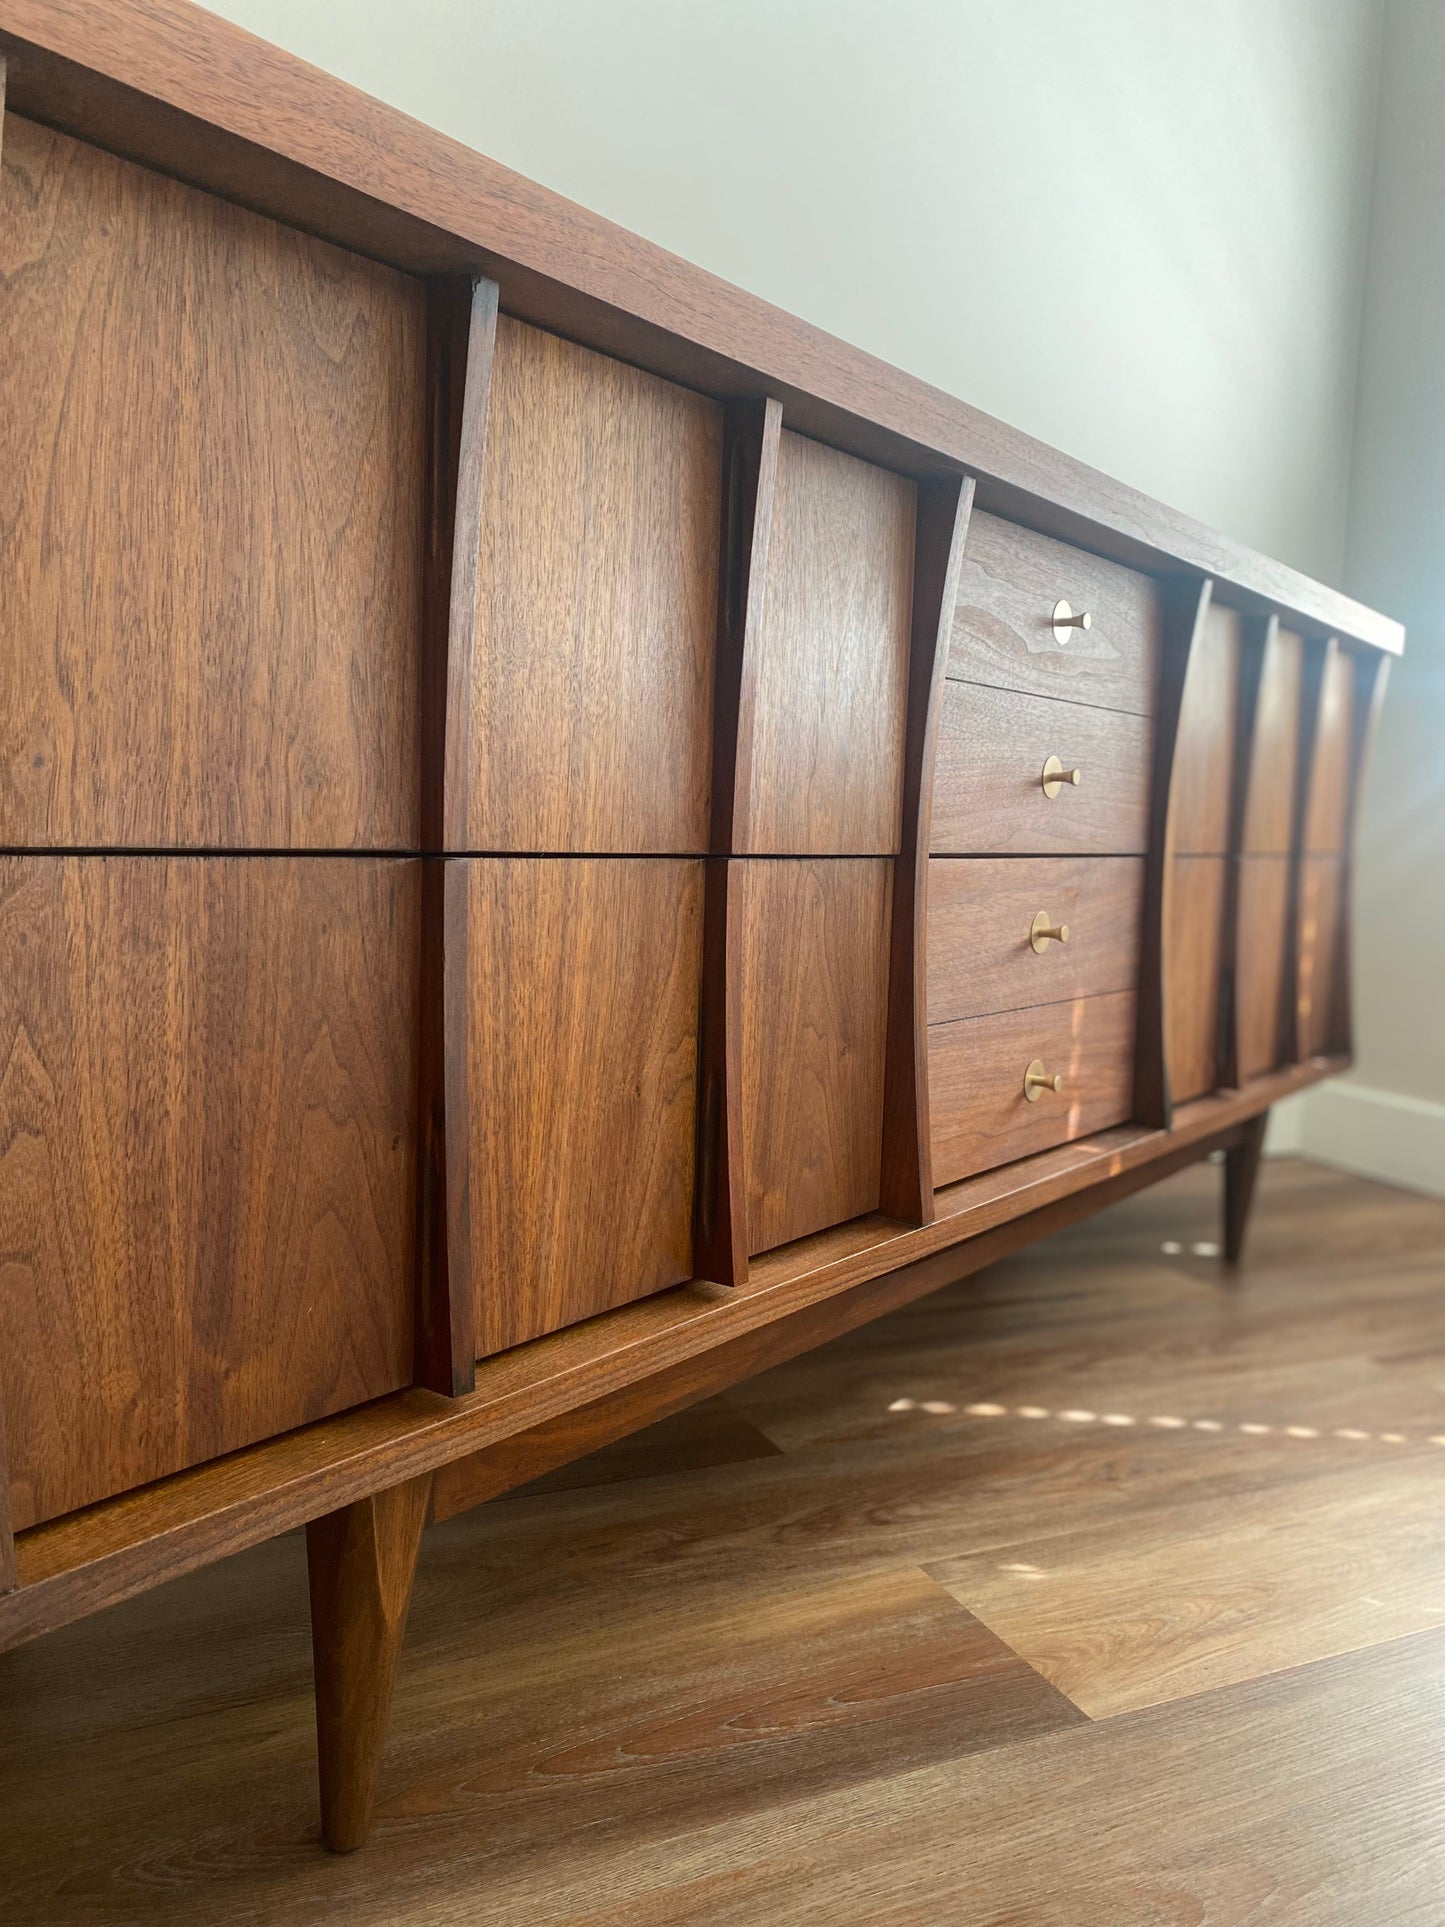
<point>906,1190</point>
<point>720,1214</point>
<point>1372,675</point>
<point>471,403</point>
<point>1312,681</point>
<point>1257,635</point>
<point>446,1345</point>
<point>1186,604</point>
<point>751,433</point>
<point>182,90</point>
<point>500,1468</point>
<point>92,1559</point>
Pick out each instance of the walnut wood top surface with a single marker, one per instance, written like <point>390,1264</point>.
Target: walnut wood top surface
<point>186,91</point>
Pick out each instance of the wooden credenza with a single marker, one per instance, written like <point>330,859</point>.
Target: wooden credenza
<point>563,836</point>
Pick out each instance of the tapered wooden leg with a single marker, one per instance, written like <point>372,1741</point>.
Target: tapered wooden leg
<point>362,1560</point>
<point>1241,1169</point>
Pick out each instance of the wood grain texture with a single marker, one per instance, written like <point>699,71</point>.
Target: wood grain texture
<point>981,1117</point>
<point>210,521</point>
<point>830,683</point>
<point>1186,611</point>
<point>1321,936</point>
<point>361,1562</point>
<point>548,1761</point>
<point>446,1332</point>
<point>1273,752</point>
<point>980,920</point>
<point>815,992</point>
<point>461,346</point>
<point>988,796</point>
<point>752,432</point>
<point>591,701</point>
<point>1327,798</point>
<point>1262,970</point>
<point>906,1181</point>
<point>1002,632</point>
<point>1196,992</point>
<point>173,84</point>
<point>795,1297</point>
<point>581,1047</point>
<point>720,1215</point>
<point>207,1108</point>
<point>1372,675</point>
<point>629,1436</point>
<point>1204,752</point>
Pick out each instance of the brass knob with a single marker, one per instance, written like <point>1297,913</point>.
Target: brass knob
<point>1044,931</point>
<point>1037,1081</point>
<point>1055,776</point>
<point>1064,620</point>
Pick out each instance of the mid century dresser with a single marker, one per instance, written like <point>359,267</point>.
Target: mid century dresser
<point>563,836</point>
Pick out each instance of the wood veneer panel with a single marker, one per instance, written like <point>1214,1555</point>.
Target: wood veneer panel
<point>981,1117</point>
<point>1002,631</point>
<point>210,519</point>
<point>591,697</point>
<point>906,1186</point>
<point>1195,945</point>
<point>815,990</point>
<point>831,676</point>
<point>206,1172</point>
<point>1321,940</point>
<point>1205,749</point>
<point>1274,748</point>
<point>980,918</point>
<point>581,1059</point>
<point>1186,606</point>
<point>1327,804</point>
<point>1262,966</point>
<point>988,795</point>
<point>751,435</point>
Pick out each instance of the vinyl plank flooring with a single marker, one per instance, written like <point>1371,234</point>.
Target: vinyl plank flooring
<point>774,1662</point>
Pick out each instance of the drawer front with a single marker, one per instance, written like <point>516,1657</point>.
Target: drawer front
<point>988,786</point>
<point>976,1071</point>
<point>206,1167</point>
<point>1274,755</point>
<point>1193,961</point>
<point>982,952</point>
<point>1329,789</point>
<point>1321,897</point>
<point>1003,626</point>
<point>1259,978</point>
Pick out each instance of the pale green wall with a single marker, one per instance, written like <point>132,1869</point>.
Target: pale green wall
<point>1135,228</point>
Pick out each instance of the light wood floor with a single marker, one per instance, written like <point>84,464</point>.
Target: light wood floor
<point>1101,1590</point>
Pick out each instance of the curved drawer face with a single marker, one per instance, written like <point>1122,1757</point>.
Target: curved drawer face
<point>1262,956</point>
<point>1003,629</point>
<point>1274,756</point>
<point>981,912</point>
<point>1329,788</point>
<point>988,789</point>
<point>976,1071</point>
<point>1321,898</point>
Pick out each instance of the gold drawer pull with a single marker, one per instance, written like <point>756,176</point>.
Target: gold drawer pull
<point>1037,1081</point>
<point>1044,930</point>
<point>1055,776</point>
<point>1064,620</point>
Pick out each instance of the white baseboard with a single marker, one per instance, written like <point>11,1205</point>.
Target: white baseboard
<point>1376,1134</point>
